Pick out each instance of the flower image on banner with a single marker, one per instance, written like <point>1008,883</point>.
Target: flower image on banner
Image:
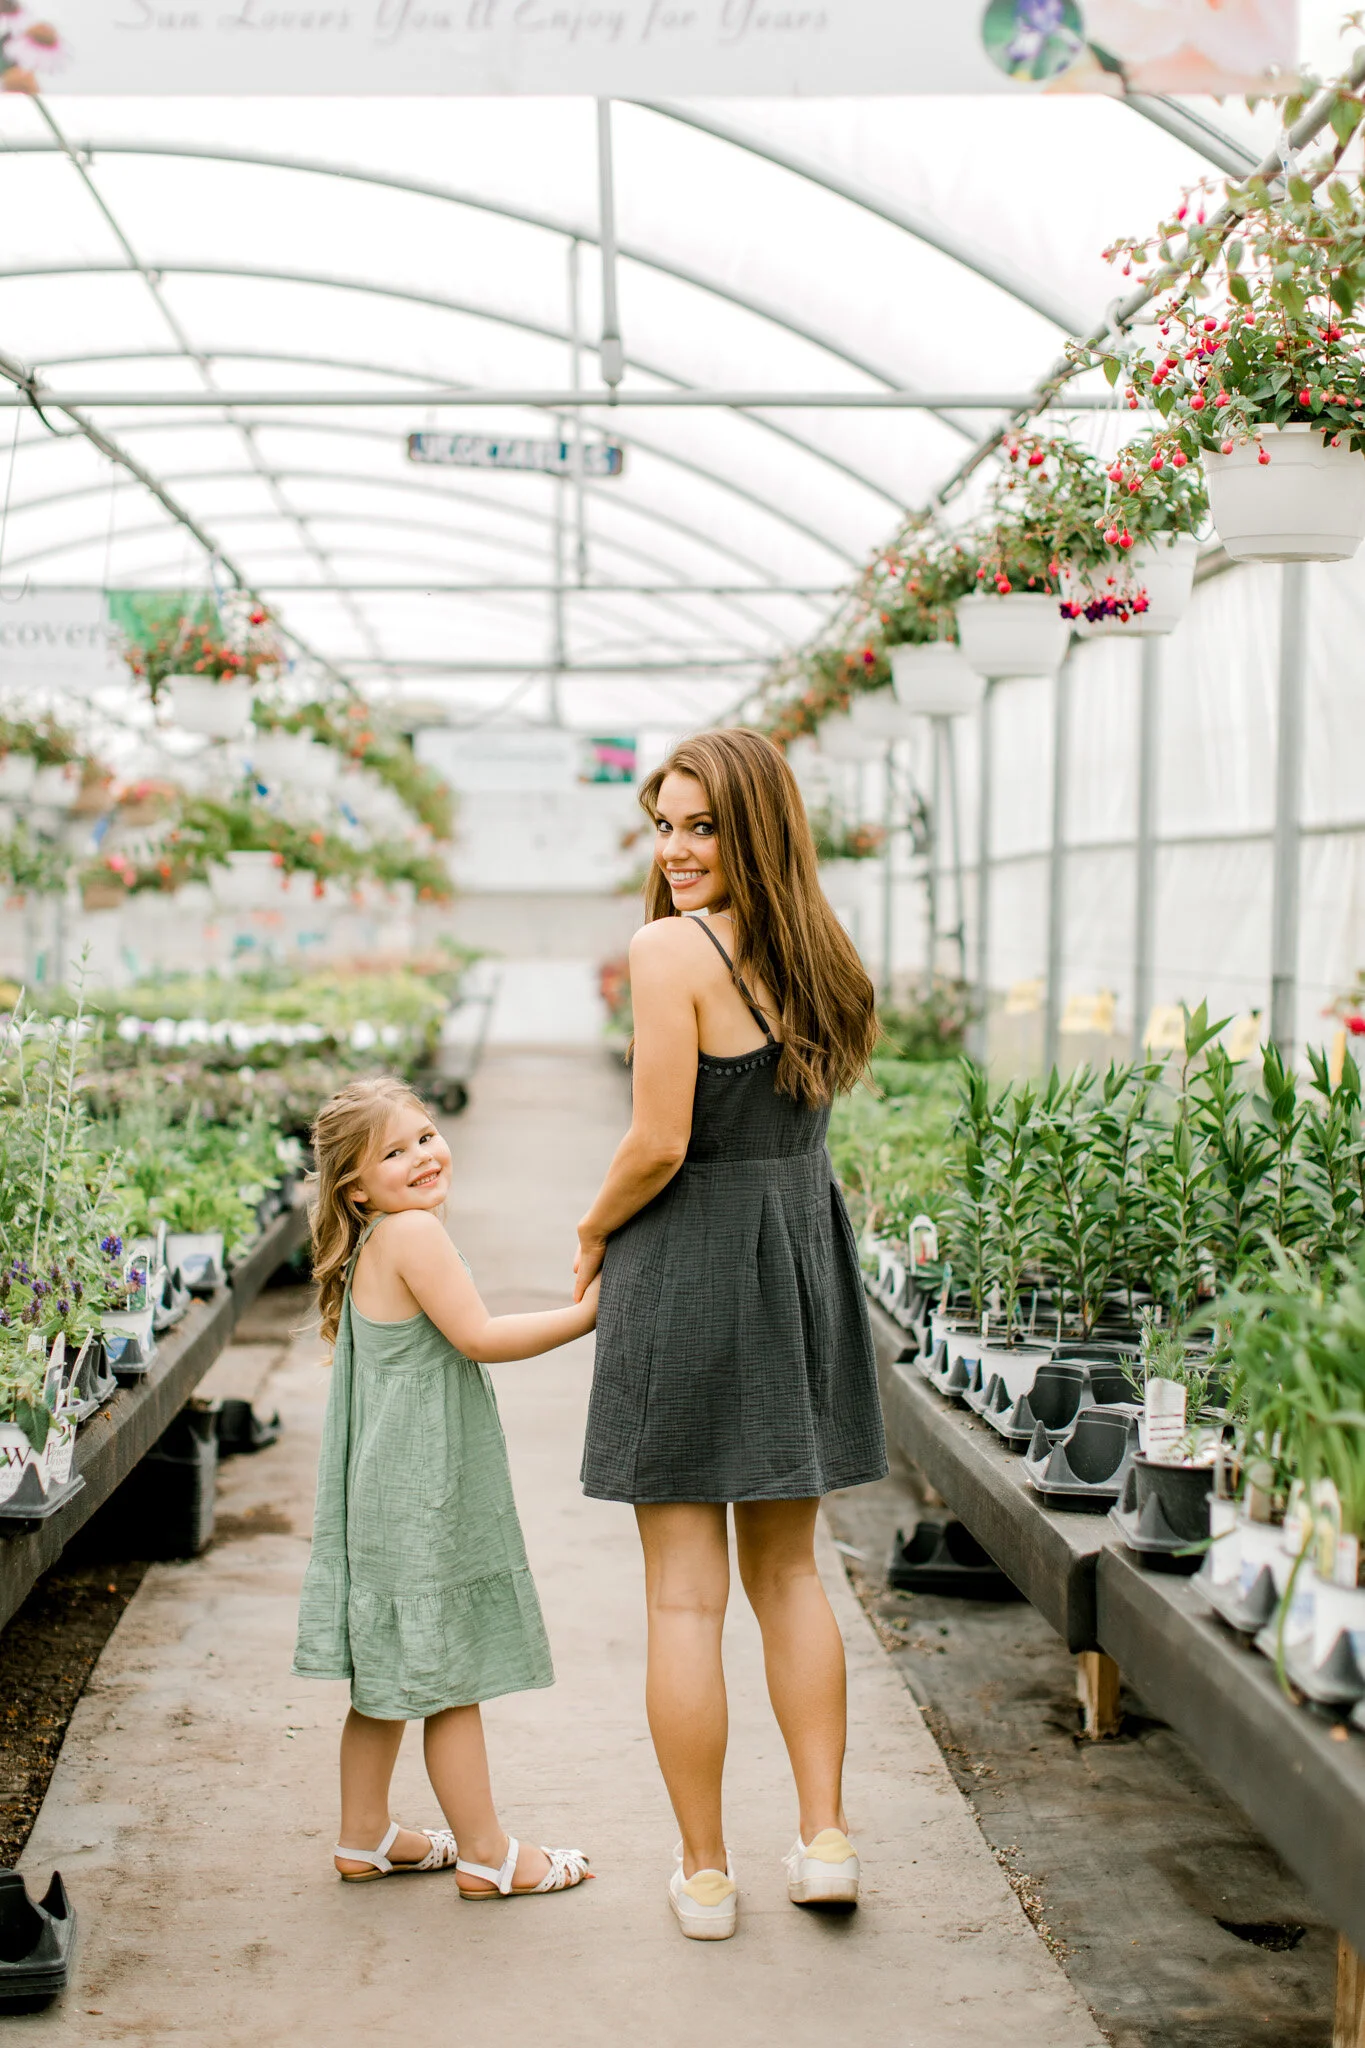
<point>1143,46</point>
<point>29,44</point>
<point>608,760</point>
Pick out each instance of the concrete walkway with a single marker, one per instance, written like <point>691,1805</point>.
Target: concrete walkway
<point>192,1811</point>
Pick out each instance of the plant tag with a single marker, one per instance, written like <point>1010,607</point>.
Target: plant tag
<point>1163,1414</point>
<point>1225,1549</point>
<point>1346,1570</point>
<point>1326,1528</point>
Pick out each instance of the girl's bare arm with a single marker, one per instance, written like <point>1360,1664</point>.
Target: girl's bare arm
<point>421,1255</point>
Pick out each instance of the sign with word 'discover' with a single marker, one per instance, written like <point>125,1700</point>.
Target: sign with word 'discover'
<point>648,48</point>
<point>555,458</point>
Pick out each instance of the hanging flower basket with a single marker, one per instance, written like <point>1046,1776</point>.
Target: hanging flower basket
<point>1023,634</point>
<point>56,788</point>
<point>879,715</point>
<point>247,881</point>
<point>17,774</point>
<point>218,710</point>
<point>103,896</point>
<point>294,760</point>
<point>1146,595</point>
<point>1307,504</point>
<point>934,680</point>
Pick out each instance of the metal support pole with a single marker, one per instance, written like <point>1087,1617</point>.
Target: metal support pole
<point>959,931</point>
<point>1284,913</point>
<point>613,355</point>
<point>931,871</point>
<point>888,876</point>
<point>1056,874</point>
<point>1144,908</point>
<point>981,1028</point>
<point>576,379</point>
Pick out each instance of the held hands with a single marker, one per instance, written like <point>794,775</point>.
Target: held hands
<point>588,1304</point>
<point>588,1264</point>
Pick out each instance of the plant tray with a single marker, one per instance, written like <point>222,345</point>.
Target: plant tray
<point>241,1430</point>
<point>1156,1500</point>
<point>32,1502</point>
<point>1086,1469</point>
<point>36,1942</point>
<point>1247,1610</point>
<point>945,1559</point>
<point>1337,1681</point>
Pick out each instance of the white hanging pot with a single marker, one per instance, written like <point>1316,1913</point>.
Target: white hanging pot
<point>878,715</point>
<point>217,710</point>
<point>247,881</point>
<point>18,773</point>
<point>1023,634</point>
<point>934,680</point>
<point>294,760</point>
<point>841,740</point>
<point>1307,504</point>
<point>1162,571</point>
<point>56,788</point>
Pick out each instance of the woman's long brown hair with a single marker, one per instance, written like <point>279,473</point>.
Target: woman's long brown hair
<point>346,1132</point>
<point>787,937</point>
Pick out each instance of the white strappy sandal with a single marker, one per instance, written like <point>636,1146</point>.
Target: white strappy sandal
<point>441,1856</point>
<point>568,1867</point>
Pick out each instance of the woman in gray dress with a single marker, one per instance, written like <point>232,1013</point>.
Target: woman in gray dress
<point>734,1359</point>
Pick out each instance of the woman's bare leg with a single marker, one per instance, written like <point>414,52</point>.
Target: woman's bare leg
<point>457,1765</point>
<point>803,1652</point>
<point>687,1584</point>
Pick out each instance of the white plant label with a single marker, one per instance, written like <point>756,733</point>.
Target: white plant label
<point>1163,1415</point>
<point>1346,1569</point>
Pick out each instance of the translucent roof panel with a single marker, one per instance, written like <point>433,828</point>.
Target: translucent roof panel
<point>279,282</point>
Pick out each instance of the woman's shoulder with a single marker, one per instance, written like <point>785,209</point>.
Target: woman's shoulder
<point>670,945</point>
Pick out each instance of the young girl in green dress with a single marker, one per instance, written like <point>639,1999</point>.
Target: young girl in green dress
<point>418,1589</point>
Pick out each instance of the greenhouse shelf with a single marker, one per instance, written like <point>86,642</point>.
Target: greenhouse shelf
<point>1303,1786</point>
<point>1048,1555</point>
<point>129,1423</point>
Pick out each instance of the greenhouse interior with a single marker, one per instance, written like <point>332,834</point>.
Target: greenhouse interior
<point>907,492</point>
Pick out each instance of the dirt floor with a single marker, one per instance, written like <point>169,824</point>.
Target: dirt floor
<point>1173,1919</point>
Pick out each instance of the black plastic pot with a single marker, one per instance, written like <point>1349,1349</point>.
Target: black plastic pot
<point>944,1558</point>
<point>1163,1514</point>
<point>241,1430</point>
<point>1085,1470</point>
<point>35,1943</point>
<point>164,1508</point>
<point>1052,1402</point>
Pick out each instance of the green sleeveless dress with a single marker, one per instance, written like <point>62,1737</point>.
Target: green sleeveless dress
<point>418,1589</point>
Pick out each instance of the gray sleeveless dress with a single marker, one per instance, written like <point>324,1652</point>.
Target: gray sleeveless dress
<point>734,1357</point>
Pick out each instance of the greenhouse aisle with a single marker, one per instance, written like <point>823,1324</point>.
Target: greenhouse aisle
<point>192,1810</point>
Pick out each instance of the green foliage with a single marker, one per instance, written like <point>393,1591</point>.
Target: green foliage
<point>889,1145</point>
<point>910,591</point>
<point>931,1026</point>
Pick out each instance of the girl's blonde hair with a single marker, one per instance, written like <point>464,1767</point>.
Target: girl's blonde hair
<point>787,936</point>
<point>346,1132</point>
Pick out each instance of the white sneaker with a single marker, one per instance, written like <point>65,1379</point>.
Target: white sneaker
<point>824,1872</point>
<point>707,1903</point>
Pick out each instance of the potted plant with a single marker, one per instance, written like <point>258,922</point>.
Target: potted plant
<point>107,883</point>
<point>1130,544</point>
<point>1260,373</point>
<point>1011,625</point>
<point>207,665</point>
<point>912,591</point>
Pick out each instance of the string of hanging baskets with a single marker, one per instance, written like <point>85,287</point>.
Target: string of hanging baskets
<point>1256,379</point>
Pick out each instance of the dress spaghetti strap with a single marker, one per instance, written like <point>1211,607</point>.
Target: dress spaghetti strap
<point>749,1003</point>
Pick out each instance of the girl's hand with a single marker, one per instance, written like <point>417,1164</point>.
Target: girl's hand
<point>589,1303</point>
<point>588,1264</point>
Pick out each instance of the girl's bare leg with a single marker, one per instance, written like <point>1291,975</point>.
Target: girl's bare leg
<point>369,1751</point>
<point>803,1652</point>
<point>687,1584</point>
<point>457,1765</point>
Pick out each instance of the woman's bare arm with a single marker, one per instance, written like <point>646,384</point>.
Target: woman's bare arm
<point>663,978</point>
<point>419,1253</point>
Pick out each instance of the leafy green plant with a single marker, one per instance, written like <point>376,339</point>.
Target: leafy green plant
<point>911,589</point>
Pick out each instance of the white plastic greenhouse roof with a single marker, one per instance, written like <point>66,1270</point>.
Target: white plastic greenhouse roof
<point>274,247</point>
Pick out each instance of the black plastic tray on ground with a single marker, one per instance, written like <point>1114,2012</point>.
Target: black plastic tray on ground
<point>1302,1785</point>
<point>129,1423</point>
<point>1049,1556</point>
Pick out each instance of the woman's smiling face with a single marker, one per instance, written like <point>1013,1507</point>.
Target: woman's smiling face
<point>685,845</point>
<point>410,1166</point>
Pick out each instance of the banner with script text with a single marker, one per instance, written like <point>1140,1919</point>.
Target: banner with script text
<point>643,48</point>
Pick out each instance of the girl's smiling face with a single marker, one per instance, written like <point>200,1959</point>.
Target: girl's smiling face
<point>408,1169</point>
<point>685,845</point>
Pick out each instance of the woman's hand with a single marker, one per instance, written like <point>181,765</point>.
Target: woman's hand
<point>588,1264</point>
